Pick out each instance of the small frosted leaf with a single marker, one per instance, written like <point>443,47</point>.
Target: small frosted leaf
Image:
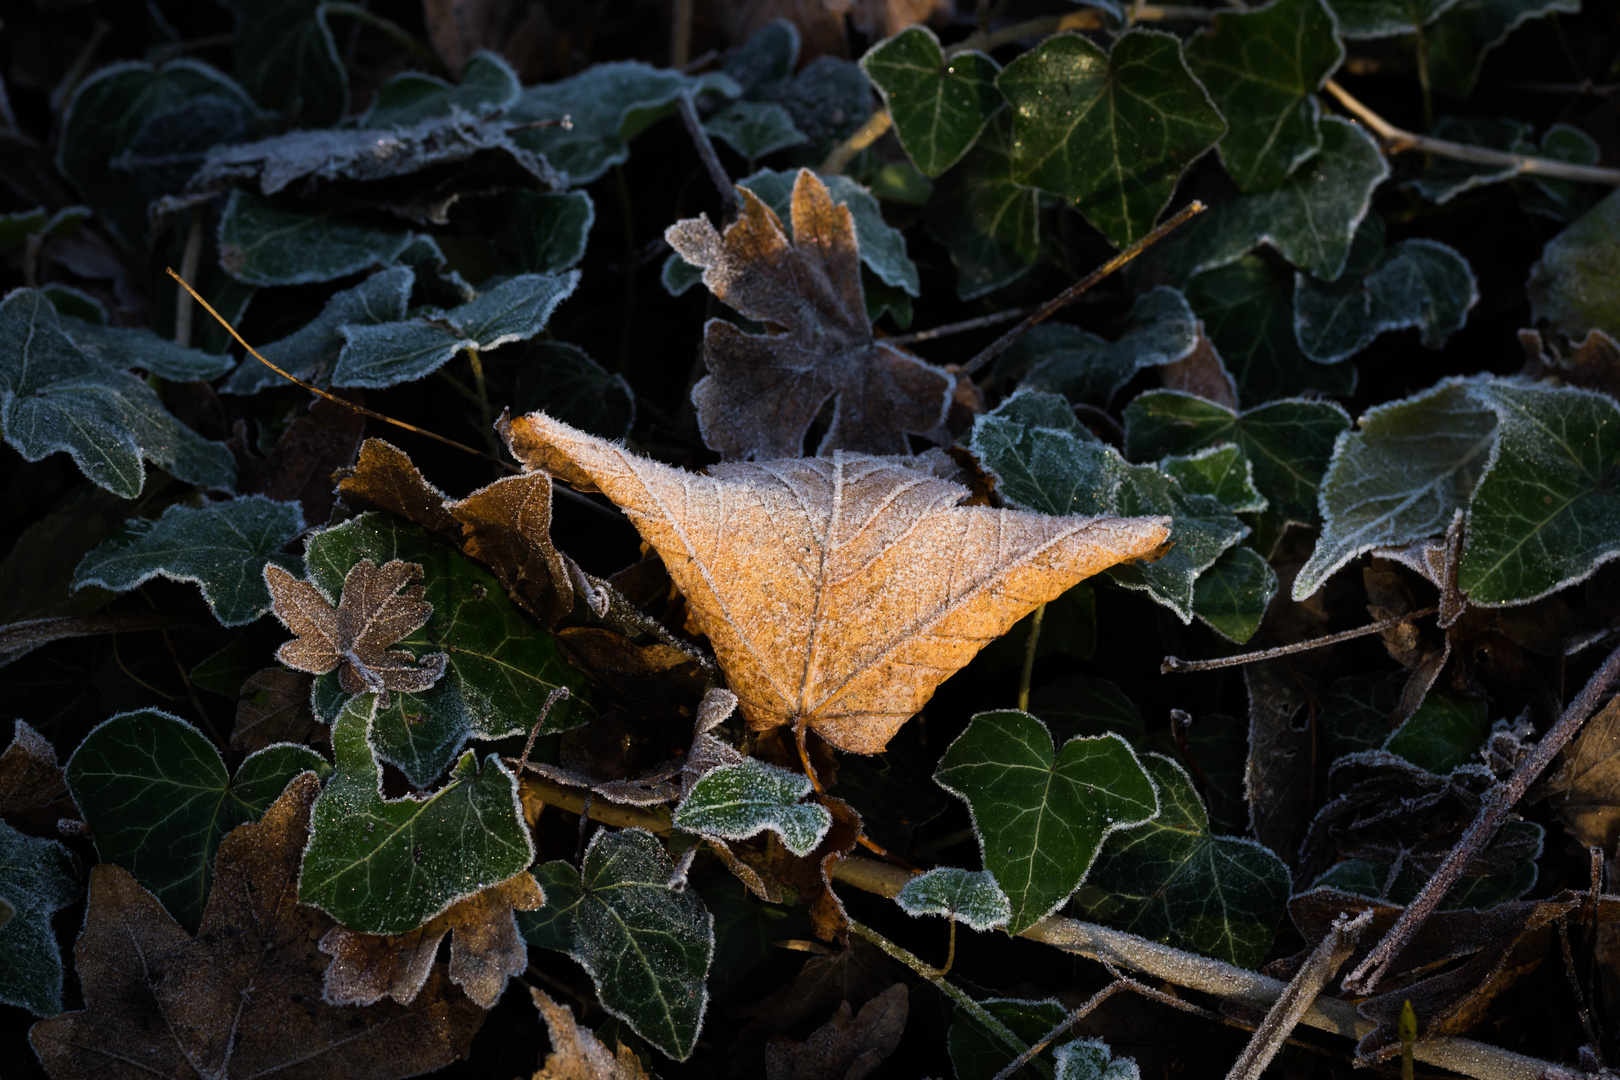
<point>985,216</point>
<point>1224,473</point>
<point>37,879</point>
<point>735,802</point>
<point>939,106</point>
<point>1572,286</point>
<point>1091,1059</point>
<point>754,128</point>
<point>971,897</point>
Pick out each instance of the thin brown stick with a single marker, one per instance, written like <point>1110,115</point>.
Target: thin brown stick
<point>868,133</point>
<point>1493,811</point>
<point>32,633</point>
<point>705,148</point>
<point>1067,296</point>
<point>1399,140</point>
<point>318,392</point>
<point>1173,664</point>
<point>1120,983</point>
<point>965,325</point>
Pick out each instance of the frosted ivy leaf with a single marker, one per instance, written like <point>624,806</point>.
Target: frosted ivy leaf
<point>971,897</point>
<point>735,802</point>
<point>1091,1059</point>
<point>1222,472</point>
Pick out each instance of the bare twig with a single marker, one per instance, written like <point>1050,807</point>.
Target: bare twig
<point>1030,645</point>
<point>1493,812</point>
<point>994,319</point>
<point>19,637</point>
<point>1067,296</point>
<point>1303,989</point>
<point>1398,140</point>
<point>868,133</point>
<point>705,149</point>
<point>1173,664</point>
<point>1120,983</point>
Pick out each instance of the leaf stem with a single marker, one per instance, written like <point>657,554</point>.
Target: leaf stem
<point>868,133</point>
<point>1067,296</point>
<point>1029,657</point>
<point>711,160</point>
<point>1398,140</point>
<point>1174,664</point>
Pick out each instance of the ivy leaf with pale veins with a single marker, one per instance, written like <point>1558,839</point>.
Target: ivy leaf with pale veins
<point>970,897</point>
<point>486,950</point>
<point>1064,359</point>
<point>1224,473</point>
<point>1572,286</point>
<point>1288,442</point>
<point>279,242</point>
<point>243,998</point>
<point>1400,477</point>
<point>222,547</point>
<point>387,866</point>
<point>286,58</point>
<point>763,391</point>
<point>1042,817</point>
<point>139,347</point>
<point>939,105</point>
<point>54,396</point>
<point>355,636</point>
<point>38,878</point>
<point>1110,131</point>
<point>988,220</point>
<point>1173,880</point>
<point>1231,597</point>
<point>158,799</point>
<point>1545,513</point>
<point>871,565</point>
<point>646,946</point>
<point>735,802</point>
<point>1262,69</point>
<point>1363,20</point>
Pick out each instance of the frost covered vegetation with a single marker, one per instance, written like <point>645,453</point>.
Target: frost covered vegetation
<point>704,576</point>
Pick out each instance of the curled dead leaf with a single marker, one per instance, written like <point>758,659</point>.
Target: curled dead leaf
<point>275,708</point>
<point>846,1047</point>
<point>576,1053</point>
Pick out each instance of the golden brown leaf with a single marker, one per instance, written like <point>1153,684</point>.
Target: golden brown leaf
<point>1587,781</point>
<point>485,951</point>
<point>274,708</point>
<point>838,593</point>
<point>576,1053</point>
<point>372,615</point>
<point>242,998</point>
<point>29,774</point>
<point>386,478</point>
<point>846,1047</point>
<point>763,391</point>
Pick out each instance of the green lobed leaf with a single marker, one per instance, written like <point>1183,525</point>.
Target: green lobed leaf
<point>1042,817</point>
<point>1224,473</point>
<point>939,105</point>
<point>1469,29</point>
<point>1443,179</point>
<point>279,242</point>
<point>1368,877</point>
<point>1083,705</point>
<point>386,354</point>
<point>970,897</point>
<point>564,382</point>
<point>607,105</point>
<point>1173,880</point>
<point>736,802</point>
<point>1288,442</point>
<point>386,866</point>
<point>1575,285</point>
<point>979,1054</point>
<point>502,666</point>
<point>488,85</point>
<point>158,799</point>
<point>54,396</point>
<point>646,946</point>
<point>1091,1059</point>
<point>1231,597</point>
<point>1442,734</point>
<point>1063,359</point>
<point>1247,309</point>
<point>988,220</point>
<point>882,246</point>
<point>1262,69</point>
<point>755,128</point>
<point>1362,20</point>
<point>108,112</point>
<point>311,352</point>
<point>766,59</point>
<point>1400,477</point>
<point>38,878</point>
<point>286,58</point>
<point>1545,513</point>
<point>1076,108</point>
<point>1355,716</point>
<point>222,547</point>
<point>542,232</point>
<point>829,99</point>
<point>1563,200</point>
<point>139,347</point>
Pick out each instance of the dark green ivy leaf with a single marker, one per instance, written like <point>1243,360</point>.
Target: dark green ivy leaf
<point>1041,816</point>
<point>970,897</point>
<point>1224,473</point>
<point>286,58</point>
<point>754,128</point>
<point>1083,705</point>
<point>158,799</point>
<point>736,802</point>
<point>1233,594</point>
<point>987,219</point>
<point>1469,29</point>
<point>1064,359</point>
<point>1110,131</point>
<point>1363,20</point>
<point>488,85</point>
<point>279,242</point>
<point>138,347</point>
<point>1442,734</point>
<point>221,546</point>
<point>563,381</point>
<point>383,866</point>
<point>1572,286</point>
<point>979,1054</point>
<point>37,879</point>
<point>939,105</point>
<point>542,232</point>
<point>646,946</point>
<point>1262,69</point>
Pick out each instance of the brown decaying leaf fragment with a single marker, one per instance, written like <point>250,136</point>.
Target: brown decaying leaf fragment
<point>576,1052</point>
<point>1586,782</point>
<point>242,998</point>
<point>763,391</point>
<point>485,951</point>
<point>1201,373</point>
<point>837,593</point>
<point>301,464</point>
<point>29,774</point>
<point>846,1047</point>
<point>275,708</point>
<point>372,615</point>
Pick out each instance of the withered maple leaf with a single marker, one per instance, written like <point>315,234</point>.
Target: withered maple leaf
<point>763,391</point>
<point>242,998</point>
<point>839,592</point>
<point>485,951</point>
<point>354,637</point>
<point>576,1052</point>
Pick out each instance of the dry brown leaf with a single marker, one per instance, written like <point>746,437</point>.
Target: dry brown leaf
<point>763,391</point>
<point>372,615</point>
<point>576,1053</point>
<point>845,1047</point>
<point>1587,781</point>
<point>856,973</point>
<point>242,998</point>
<point>274,708</point>
<point>301,464</point>
<point>838,593</point>
<point>1202,374</point>
<point>486,950</point>
<point>385,477</point>
<point>29,774</point>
